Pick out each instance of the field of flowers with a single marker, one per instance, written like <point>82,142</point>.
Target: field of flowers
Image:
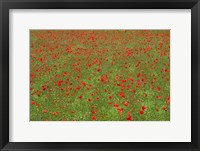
<point>99,75</point>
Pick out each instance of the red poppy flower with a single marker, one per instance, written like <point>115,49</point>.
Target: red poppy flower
<point>90,100</point>
<point>166,70</point>
<point>168,98</point>
<point>122,94</point>
<point>120,110</point>
<point>129,118</point>
<point>59,82</point>
<point>116,105</point>
<point>128,87</point>
<point>139,75</point>
<point>158,96</point>
<point>144,108</point>
<point>141,112</point>
<point>110,103</point>
<point>83,83</point>
<point>80,97</point>
<point>94,111</point>
<point>123,80</point>
<point>45,111</point>
<point>126,103</point>
<point>158,88</point>
<point>78,88</point>
<point>164,108</point>
<point>68,49</point>
<point>110,97</point>
<point>44,87</point>
<point>65,73</point>
<point>41,60</point>
<point>134,91</point>
<point>94,118</point>
<point>32,102</point>
<point>54,113</point>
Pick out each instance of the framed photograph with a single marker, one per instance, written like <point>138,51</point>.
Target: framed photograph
<point>99,75</point>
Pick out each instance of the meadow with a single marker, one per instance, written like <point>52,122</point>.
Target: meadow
<point>99,75</point>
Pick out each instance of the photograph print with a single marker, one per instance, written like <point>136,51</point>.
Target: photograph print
<point>99,75</point>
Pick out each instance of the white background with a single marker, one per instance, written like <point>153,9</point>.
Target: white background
<point>178,129</point>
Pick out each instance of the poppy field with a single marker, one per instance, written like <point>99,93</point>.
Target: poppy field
<point>99,75</point>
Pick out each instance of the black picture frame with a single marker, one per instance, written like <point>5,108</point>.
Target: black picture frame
<point>5,5</point>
